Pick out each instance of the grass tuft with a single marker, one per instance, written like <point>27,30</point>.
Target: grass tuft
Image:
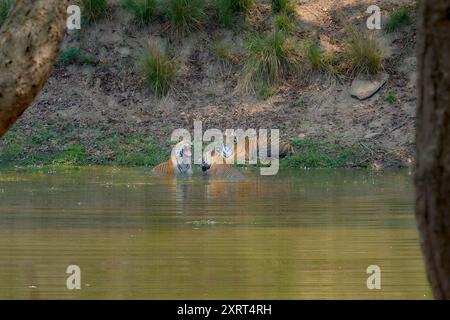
<point>364,53</point>
<point>143,10</point>
<point>322,61</point>
<point>185,16</point>
<point>5,8</point>
<point>323,154</point>
<point>283,6</point>
<point>159,70</point>
<point>315,56</point>
<point>390,98</point>
<point>93,9</point>
<point>74,55</point>
<point>229,9</point>
<point>397,18</point>
<point>282,22</point>
<point>269,59</point>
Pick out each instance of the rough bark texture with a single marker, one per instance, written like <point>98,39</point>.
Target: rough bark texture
<point>30,40</point>
<point>433,143</point>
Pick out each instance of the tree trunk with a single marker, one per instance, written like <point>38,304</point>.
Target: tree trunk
<point>433,143</point>
<point>30,40</point>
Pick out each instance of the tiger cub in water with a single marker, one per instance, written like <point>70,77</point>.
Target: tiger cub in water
<point>179,162</point>
<point>214,164</point>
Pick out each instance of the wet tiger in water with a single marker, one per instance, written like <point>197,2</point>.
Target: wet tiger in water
<point>214,164</point>
<point>179,162</point>
<point>246,151</point>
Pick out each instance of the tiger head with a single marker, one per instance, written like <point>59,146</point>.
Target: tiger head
<point>217,156</point>
<point>181,157</point>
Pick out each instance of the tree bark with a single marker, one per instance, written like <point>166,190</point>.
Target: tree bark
<point>433,143</point>
<point>30,41</point>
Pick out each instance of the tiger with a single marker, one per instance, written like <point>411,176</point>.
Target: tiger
<point>242,150</point>
<point>214,164</point>
<point>179,162</point>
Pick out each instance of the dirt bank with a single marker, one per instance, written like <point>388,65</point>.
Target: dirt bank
<point>87,104</point>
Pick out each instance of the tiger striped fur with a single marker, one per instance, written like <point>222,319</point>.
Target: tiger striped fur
<point>215,166</point>
<point>242,150</point>
<point>175,165</point>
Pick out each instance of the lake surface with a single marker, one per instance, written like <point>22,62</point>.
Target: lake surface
<point>305,234</point>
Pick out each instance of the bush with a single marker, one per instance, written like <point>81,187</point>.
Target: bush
<point>5,8</point>
<point>228,9</point>
<point>283,6</point>
<point>93,9</point>
<point>269,59</point>
<point>397,18</point>
<point>159,70</point>
<point>143,10</point>
<point>364,53</point>
<point>185,16</point>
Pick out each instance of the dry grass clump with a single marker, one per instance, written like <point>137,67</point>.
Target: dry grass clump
<point>363,53</point>
<point>143,10</point>
<point>158,69</point>
<point>268,61</point>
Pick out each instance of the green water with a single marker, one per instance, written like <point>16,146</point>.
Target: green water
<point>299,235</point>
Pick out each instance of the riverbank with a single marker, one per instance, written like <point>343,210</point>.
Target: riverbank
<point>43,146</point>
<point>97,107</point>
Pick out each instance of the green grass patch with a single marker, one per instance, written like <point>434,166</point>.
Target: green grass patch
<point>138,150</point>
<point>73,154</point>
<point>142,10</point>
<point>229,10</point>
<point>363,53</point>
<point>268,60</point>
<point>5,8</point>
<point>397,19</point>
<point>266,92</point>
<point>41,145</point>
<point>185,16</point>
<point>74,55</point>
<point>10,150</point>
<point>158,69</point>
<point>323,154</point>
<point>92,10</point>
<point>390,98</point>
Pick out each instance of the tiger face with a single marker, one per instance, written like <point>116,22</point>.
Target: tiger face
<point>217,156</point>
<point>181,158</point>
